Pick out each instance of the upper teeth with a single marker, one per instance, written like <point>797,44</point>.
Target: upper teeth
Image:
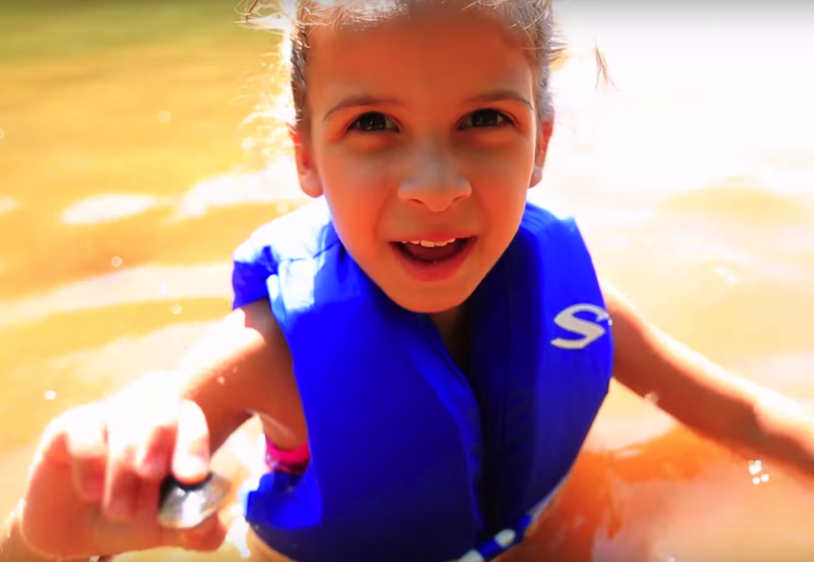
<point>430,244</point>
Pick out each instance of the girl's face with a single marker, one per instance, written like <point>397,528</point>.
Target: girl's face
<point>423,137</point>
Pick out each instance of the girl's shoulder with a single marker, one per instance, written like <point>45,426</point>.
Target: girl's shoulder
<point>299,235</point>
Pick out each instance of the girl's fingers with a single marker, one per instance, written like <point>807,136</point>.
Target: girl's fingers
<point>190,462</point>
<point>153,459</point>
<point>86,442</point>
<point>122,482</point>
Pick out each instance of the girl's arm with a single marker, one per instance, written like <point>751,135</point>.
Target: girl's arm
<point>706,397</point>
<point>241,367</point>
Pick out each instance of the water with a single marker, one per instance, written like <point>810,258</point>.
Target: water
<point>125,186</point>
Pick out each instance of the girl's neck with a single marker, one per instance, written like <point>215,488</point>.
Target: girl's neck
<point>453,326</point>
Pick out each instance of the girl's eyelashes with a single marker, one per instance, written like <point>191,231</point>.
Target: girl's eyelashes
<point>485,118</point>
<point>372,122</point>
<point>375,121</point>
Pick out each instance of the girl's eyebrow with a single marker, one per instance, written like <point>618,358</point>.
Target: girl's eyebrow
<point>366,100</point>
<point>359,101</point>
<point>502,95</point>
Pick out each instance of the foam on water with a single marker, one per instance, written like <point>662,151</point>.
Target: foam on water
<point>277,183</point>
<point>108,207</point>
<point>140,284</point>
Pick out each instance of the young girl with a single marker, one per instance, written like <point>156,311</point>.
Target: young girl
<point>426,346</point>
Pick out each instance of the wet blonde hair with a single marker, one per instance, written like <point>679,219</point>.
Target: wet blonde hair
<point>532,19</point>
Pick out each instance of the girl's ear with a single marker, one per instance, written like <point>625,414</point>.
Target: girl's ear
<point>543,137</point>
<point>310,182</point>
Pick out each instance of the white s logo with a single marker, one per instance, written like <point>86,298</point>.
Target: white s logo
<point>590,331</point>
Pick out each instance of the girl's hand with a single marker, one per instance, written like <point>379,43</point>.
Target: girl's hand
<point>93,488</point>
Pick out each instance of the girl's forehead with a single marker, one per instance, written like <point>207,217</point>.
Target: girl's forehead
<point>451,29</point>
<point>462,44</point>
<point>445,64</point>
<point>348,18</point>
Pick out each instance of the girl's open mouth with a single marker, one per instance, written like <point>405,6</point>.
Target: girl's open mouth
<point>432,261</point>
<point>429,252</point>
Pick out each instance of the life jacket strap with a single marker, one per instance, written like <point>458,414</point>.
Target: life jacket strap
<point>511,536</point>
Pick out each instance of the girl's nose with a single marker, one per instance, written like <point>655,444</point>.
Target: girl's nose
<point>435,182</point>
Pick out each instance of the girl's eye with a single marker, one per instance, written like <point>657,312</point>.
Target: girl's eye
<point>372,122</point>
<point>485,118</point>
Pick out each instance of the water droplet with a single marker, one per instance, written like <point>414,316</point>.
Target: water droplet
<point>2,134</point>
<point>176,309</point>
<point>755,467</point>
<point>651,398</point>
<point>50,394</point>
<point>116,261</point>
<point>755,480</point>
<point>764,477</point>
<point>221,380</point>
<point>164,116</point>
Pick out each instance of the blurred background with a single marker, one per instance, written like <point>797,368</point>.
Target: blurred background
<point>129,171</point>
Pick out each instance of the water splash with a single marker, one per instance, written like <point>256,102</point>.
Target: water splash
<point>756,470</point>
<point>237,533</point>
<point>757,480</point>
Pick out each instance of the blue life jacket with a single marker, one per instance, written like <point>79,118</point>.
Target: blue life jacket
<point>411,459</point>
